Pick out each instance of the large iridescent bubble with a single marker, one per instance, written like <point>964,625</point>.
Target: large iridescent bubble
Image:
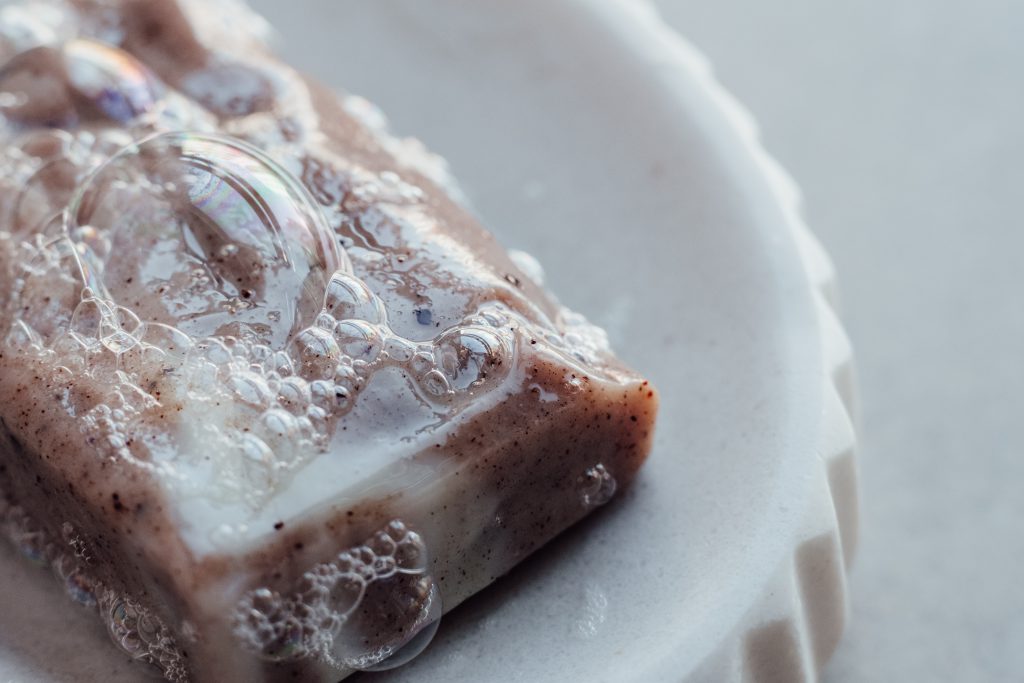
<point>205,233</point>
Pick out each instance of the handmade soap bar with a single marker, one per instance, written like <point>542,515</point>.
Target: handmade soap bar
<point>270,399</point>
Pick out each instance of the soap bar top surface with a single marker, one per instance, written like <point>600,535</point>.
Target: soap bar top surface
<point>280,285</point>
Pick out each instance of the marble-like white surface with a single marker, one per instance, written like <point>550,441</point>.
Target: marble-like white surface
<point>903,124</point>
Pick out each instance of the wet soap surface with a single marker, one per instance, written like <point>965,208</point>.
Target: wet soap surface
<point>229,312</point>
<point>232,296</point>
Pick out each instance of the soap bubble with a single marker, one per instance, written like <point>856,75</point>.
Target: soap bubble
<point>250,388</point>
<point>78,585</point>
<point>315,353</point>
<point>161,347</point>
<point>110,79</point>
<point>596,486</point>
<point>349,297</point>
<point>204,231</point>
<point>435,384</point>
<point>34,89</point>
<point>78,80</point>
<point>421,598</point>
<point>44,193</point>
<point>359,339</point>
<point>294,394</point>
<point>469,355</point>
<point>346,594</point>
<point>130,626</point>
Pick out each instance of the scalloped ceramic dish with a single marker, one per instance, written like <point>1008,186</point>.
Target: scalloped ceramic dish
<point>588,134</point>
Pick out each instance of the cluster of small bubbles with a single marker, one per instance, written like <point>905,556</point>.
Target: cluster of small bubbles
<point>108,426</point>
<point>585,341</point>
<point>287,425</point>
<point>97,321</point>
<point>295,389</point>
<point>142,635</point>
<point>134,628</point>
<point>293,394</point>
<point>409,152</point>
<point>596,486</point>
<point>351,339</point>
<point>372,192</point>
<point>318,619</point>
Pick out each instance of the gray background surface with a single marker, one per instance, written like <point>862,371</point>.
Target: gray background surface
<point>904,124</point>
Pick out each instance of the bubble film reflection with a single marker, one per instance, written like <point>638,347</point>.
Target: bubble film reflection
<point>110,79</point>
<point>211,226</point>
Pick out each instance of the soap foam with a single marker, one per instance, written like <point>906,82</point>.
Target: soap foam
<point>323,618</point>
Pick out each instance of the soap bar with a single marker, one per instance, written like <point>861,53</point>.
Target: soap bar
<point>271,400</point>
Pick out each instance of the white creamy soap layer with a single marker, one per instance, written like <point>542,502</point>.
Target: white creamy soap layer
<point>360,465</point>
